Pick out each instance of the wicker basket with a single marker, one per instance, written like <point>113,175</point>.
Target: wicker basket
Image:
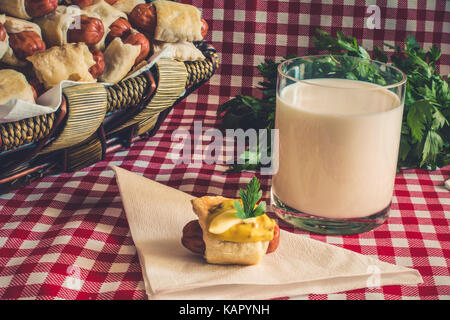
<point>95,120</point>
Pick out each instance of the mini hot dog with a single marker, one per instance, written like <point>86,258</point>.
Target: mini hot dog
<point>97,70</point>
<point>90,31</point>
<point>137,38</point>
<point>28,9</point>
<point>107,14</point>
<point>90,25</point>
<point>120,28</point>
<point>169,21</point>
<point>70,24</point>
<point>40,8</point>
<point>4,39</point>
<point>3,33</point>
<point>193,238</point>
<point>232,231</point>
<point>24,41</point>
<point>143,18</point>
<point>38,87</point>
<point>205,28</point>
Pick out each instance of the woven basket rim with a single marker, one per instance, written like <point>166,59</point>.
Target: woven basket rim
<point>15,143</point>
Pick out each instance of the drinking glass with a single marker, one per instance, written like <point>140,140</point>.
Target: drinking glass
<point>339,120</point>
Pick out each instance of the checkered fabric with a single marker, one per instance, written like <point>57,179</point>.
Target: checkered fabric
<point>66,236</point>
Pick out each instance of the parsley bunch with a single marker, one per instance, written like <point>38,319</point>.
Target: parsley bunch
<point>425,131</point>
<point>250,198</point>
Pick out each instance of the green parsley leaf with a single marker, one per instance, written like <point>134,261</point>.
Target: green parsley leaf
<point>260,209</point>
<point>432,146</point>
<point>419,115</point>
<point>240,211</point>
<point>250,198</point>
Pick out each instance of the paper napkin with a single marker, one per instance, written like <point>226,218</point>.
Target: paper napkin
<point>157,214</point>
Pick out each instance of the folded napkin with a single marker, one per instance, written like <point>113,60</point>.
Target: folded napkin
<point>157,214</point>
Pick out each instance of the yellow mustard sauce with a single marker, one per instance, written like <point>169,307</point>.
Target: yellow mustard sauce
<point>222,217</point>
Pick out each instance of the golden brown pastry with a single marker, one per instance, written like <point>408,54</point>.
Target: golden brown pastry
<point>119,59</point>
<point>177,22</point>
<point>15,8</point>
<point>182,50</point>
<point>13,84</point>
<point>69,62</point>
<point>15,25</point>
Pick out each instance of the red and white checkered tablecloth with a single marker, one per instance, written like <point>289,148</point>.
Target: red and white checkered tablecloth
<point>66,236</point>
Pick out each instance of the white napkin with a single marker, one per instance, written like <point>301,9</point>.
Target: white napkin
<point>157,214</point>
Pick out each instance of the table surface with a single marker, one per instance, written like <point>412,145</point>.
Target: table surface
<point>66,236</point>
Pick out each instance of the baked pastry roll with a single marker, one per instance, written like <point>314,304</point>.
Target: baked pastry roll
<point>107,14</point>
<point>70,24</point>
<point>119,59</point>
<point>13,84</point>
<point>56,25</point>
<point>177,22</point>
<point>127,5</point>
<point>182,50</point>
<point>248,245</point>
<point>69,62</point>
<point>16,26</point>
<point>15,8</point>
<point>28,9</point>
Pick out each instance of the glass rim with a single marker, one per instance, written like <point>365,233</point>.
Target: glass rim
<point>305,81</point>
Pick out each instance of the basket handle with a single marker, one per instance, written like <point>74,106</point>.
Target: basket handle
<point>86,112</point>
<point>172,77</point>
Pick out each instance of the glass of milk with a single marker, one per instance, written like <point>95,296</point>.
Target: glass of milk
<point>339,121</point>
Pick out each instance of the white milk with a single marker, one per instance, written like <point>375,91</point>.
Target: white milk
<point>338,147</point>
